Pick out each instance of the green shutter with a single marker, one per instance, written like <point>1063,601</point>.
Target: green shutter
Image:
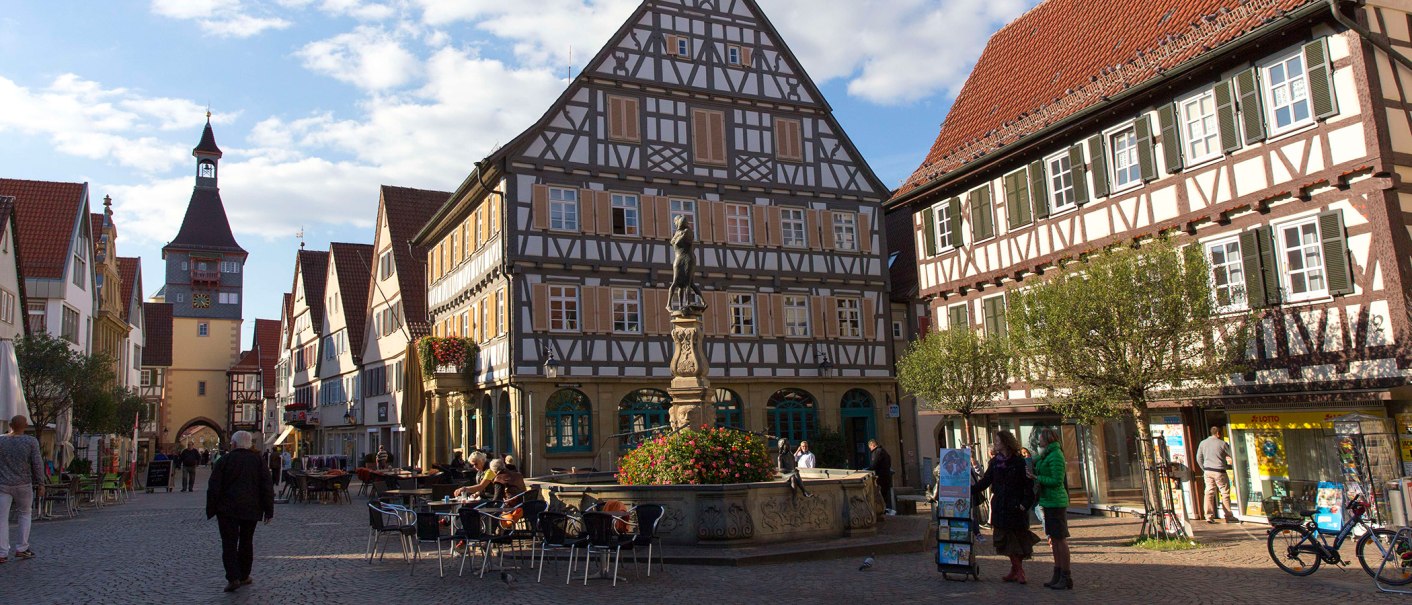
<point>1039,193</point>
<point>994,309</point>
<point>1321,78</point>
<point>1254,277</point>
<point>1017,199</point>
<point>1145,162</point>
<point>1078,173</point>
<point>954,217</point>
<point>1225,116</point>
<point>957,317</point>
<point>1171,139</point>
<point>1335,243</point>
<point>982,216</point>
<point>1099,157</point>
<point>1269,272</point>
<point>1252,116</point>
<point>929,226</point>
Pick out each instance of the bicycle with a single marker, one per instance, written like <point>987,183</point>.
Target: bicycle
<point>1300,548</point>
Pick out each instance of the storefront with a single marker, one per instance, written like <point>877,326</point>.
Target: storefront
<point>1282,456</point>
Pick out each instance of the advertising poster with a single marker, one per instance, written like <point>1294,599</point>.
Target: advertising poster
<point>953,487</point>
<point>1329,503</point>
<point>1270,454</point>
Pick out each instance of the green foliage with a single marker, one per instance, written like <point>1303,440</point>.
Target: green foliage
<point>956,370</point>
<point>1164,545</point>
<point>710,456</point>
<point>56,379</point>
<point>829,448</point>
<point>452,351</point>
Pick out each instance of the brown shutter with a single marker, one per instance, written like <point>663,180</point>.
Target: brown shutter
<point>587,206</point>
<point>777,309</point>
<point>539,207</point>
<point>830,330</point>
<point>646,211</point>
<point>615,117</point>
<point>605,309</point>
<point>759,223</point>
<point>590,315</point>
<point>819,316</point>
<point>700,135</point>
<point>811,224</point>
<point>662,215</point>
<point>864,226</point>
<point>773,234</point>
<point>718,137</point>
<point>827,234</point>
<point>632,118</point>
<point>870,319</point>
<point>721,307</point>
<point>539,307</point>
<point>671,44</point>
<point>493,323</point>
<point>656,312</point>
<point>746,56</point>
<point>604,212</point>
<point>718,221</point>
<point>705,227</point>
<point>764,315</point>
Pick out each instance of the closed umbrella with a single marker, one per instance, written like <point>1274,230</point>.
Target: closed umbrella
<point>63,439</point>
<point>12,395</point>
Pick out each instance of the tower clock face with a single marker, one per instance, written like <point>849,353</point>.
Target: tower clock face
<point>201,300</point>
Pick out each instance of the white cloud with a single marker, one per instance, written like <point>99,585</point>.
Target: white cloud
<point>224,18</point>
<point>543,31</point>
<point>367,57</point>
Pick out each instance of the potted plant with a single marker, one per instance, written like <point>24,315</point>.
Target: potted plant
<point>440,353</point>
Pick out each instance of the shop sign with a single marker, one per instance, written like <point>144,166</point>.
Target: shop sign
<point>1285,419</point>
<point>894,411</point>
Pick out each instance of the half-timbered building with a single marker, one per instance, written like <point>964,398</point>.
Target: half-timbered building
<point>306,313</point>
<point>341,352</point>
<point>554,252</point>
<point>1272,133</point>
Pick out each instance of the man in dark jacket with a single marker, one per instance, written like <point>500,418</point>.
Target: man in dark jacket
<point>881,464</point>
<point>239,496</point>
<point>189,458</point>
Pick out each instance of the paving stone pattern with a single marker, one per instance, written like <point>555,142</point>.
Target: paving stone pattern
<point>159,548</point>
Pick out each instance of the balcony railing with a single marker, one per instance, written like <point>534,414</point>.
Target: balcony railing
<point>205,276</point>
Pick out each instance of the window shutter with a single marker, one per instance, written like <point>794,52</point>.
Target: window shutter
<point>540,208</point>
<point>955,227</point>
<point>982,217</point>
<point>1078,174</point>
<point>1017,199</point>
<point>1039,192</point>
<point>870,319</point>
<point>670,44</point>
<point>746,57</point>
<point>776,302</point>
<point>1270,276</point>
<point>819,313</point>
<point>662,214</point>
<point>1335,243</point>
<point>863,231</point>
<point>759,223</point>
<point>813,234</point>
<point>1171,139</point>
<point>718,222</point>
<point>1226,116</point>
<point>646,219</point>
<point>828,239</point>
<point>830,317</point>
<point>603,211</point>
<point>700,135</point>
<point>615,117</point>
<point>539,303</point>
<point>1146,163</point>
<point>1100,165</point>
<point>1321,78</point>
<point>1252,117</point>
<point>588,207</point>
<point>929,230</point>
<point>1254,277</point>
<point>631,129</point>
<point>605,310</point>
<point>705,230</point>
<point>774,237</point>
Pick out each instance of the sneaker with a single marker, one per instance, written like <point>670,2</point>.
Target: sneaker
<point>1232,520</point>
<point>1212,521</point>
<point>246,582</point>
<point>24,554</point>
<point>889,512</point>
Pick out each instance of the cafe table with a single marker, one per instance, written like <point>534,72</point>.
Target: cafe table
<point>410,495</point>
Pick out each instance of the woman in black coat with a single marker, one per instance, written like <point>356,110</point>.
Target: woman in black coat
<point>1011,499</point>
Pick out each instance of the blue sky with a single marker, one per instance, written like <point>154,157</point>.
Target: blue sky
<point>317,102</point>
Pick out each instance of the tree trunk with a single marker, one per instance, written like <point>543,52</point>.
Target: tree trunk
<point>967,436</point>
<point>1150,493</point>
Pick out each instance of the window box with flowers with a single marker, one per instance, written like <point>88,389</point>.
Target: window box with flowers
<point>456,356</point>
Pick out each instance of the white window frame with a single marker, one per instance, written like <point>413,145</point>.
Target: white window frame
<point>941,213</point>
<point>739,227</point>
<point>386,266</point>
<point>897,330</point>
<point>80,271</point>
<point>203,329</point>
<point>1112,150</point>
<point>627,311</point>
<point>1211,127</point>
<point>733,54</point>
<point>567,205</point>
<point>1267,92</point>
<point>682,207</point>
<point>1061,199</point>
<point>1317,268</point>
<point>794,231</point>
<point>563,308</point>
<point>1234,267</point>
<point>683,48</point>
<point>849,315</point>
<point>845,231</point>
<point>629,205</point>
<point>796,316</point>
<point>743,317</point>
<point>7,306</point>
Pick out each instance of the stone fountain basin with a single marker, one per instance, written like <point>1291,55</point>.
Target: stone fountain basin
<point>845,504</point>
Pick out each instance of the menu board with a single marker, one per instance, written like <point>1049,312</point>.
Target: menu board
<point>159,475</point>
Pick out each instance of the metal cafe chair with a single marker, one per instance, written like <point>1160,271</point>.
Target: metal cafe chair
<point>602,535</point>
<point>384,520</point>
<point>480,527</point>
<point>429,530</point>
<point>648,517</point>
<point>554,534</point>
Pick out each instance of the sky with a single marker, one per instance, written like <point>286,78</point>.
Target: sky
<point>316,103</point>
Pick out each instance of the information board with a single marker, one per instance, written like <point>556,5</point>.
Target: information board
<point>159,475</point>
<point>955,526</point>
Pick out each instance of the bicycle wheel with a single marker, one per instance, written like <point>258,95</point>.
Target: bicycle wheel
<point>1398,571</point>
<point>1291,548</point>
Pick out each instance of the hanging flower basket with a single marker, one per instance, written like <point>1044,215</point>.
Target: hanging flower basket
<point>709,456</point>
<point>447,355</point>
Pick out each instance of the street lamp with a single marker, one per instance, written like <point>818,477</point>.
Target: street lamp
<point>551,365</point>
<point>825,365</point>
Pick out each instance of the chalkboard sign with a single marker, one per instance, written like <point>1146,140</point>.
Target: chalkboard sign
<point>159,475</point>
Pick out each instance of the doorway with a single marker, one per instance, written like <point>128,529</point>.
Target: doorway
<point>859,425</point>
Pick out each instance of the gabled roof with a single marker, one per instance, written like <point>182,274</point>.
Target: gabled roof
<point>7,220</point>
<point>267,345</point>
<point>407,211</point>
<point>1052,63</point>
<point>130,272</point>
<point>249,362</point>
<point>205,227</point>
<point>286,319</point>
<point>207,146</point>
<point>46,212</point>
<point>354,266</point>
<point>313,269</point>
<point>157,331</point>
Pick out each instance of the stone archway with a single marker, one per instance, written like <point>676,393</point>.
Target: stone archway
<point>193,430</point>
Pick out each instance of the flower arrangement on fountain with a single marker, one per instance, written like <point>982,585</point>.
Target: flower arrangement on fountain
<point>708,456</point>
<point>438,353</point>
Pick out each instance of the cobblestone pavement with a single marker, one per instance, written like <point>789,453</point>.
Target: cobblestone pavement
<point>159,548</point>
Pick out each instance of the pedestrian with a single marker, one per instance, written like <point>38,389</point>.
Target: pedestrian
<point>1213,455</point>
<point>286,462</point>
<point>881,464</point>
<point>789,470</point>
<point>272,462</point>
<point>21,474</point>
<point>189,458</point>
<point>239,495</point>
<point>1012,492</point>
<point>383,457</point>
<point>1051,474</point>
<point>803,458</point>
<point>205,457</point>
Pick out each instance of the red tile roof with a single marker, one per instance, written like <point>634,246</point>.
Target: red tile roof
<point>267,344</point>
<point>313,266</point>
<point>157,330</point>
<point>130,272</point>
<point>354,266</point>
<point>407,211</point>
<point>249,362</point>
<point>95,226</point>
<point>1053,62</point>
<point>287,319</point>
<point>46,212</point>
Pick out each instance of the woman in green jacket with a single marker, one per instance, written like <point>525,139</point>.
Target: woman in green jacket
<point>1049,470</point>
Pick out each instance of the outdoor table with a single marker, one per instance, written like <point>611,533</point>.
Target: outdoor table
<point>409,495</point>
<point>604,558</point>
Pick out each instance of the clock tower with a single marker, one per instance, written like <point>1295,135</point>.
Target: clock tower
<point>205,270</point>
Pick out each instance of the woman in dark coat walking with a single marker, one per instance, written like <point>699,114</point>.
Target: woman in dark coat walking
<point>1012,493</point>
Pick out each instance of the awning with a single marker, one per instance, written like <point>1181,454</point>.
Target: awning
<point>282,436</point>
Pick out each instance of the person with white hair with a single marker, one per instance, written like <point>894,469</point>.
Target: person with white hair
<point>21,471</point>
<point>239,495</point>
<point>484,477</point>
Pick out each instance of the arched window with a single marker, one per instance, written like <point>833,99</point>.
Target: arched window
<point>642,410</point>
<point>568,425</point>
<point>728,406</point>
<point>792,414</point>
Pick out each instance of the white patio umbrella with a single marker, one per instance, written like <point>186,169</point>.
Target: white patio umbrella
<point>63,439</point>
<point>12,395</point>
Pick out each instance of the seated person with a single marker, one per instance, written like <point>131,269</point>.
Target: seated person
<point>508,485</point>
<point>486,477</point>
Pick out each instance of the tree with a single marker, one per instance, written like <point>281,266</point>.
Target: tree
<point>95,399</point>
<point>957,370</point>
<point>48,372</point>
<point>1108,335</point>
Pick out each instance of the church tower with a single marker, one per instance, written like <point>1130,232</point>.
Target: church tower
<point>205,286</point>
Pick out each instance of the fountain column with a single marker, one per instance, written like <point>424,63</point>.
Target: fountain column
<point>693,401</point>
